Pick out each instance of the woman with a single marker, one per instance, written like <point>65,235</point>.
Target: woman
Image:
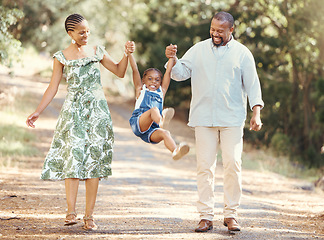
<point>82,145</point>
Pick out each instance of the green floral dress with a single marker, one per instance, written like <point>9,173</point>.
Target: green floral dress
<point>83,140</point>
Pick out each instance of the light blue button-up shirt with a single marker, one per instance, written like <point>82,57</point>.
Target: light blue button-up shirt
<point>221,81</point>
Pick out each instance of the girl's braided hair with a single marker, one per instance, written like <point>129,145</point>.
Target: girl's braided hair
<point>152,69</point>
<point>73,20</point>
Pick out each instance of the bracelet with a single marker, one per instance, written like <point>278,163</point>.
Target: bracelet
<point>125,54</point>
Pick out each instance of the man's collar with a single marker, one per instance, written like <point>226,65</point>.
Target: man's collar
<point>230,42</point>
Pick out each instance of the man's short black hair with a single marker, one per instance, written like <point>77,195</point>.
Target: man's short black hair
<point>225,16</point>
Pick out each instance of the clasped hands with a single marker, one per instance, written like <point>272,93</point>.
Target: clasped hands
<point>170,51</point>
<point>129,47</point>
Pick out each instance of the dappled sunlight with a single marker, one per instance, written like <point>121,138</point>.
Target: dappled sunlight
<point>125,143</point>
<point>31,63</point>
<point>32,215</point>
<point>46,124</point>
<point>121,130</point>
<point>34,85</point>
<point>281,233</point>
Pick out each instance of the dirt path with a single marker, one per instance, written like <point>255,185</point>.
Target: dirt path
<point>149,196</point>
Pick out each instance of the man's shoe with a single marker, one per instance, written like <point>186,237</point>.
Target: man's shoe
<point>232,224</point>
<point>204,225</point>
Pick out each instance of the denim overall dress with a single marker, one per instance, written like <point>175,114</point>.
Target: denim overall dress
<point>147,100</point>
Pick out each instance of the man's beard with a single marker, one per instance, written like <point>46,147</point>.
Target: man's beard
<point>219,44</point>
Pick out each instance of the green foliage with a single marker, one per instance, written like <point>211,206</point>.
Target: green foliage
<point>9,46</point>
<point>319,98</point>
<point>311,154</point>
<point>280,143</point>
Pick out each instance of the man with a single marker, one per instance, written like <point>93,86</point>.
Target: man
<point>223,76</point>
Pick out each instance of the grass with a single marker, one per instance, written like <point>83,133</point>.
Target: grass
<point>266,160</point>
<point>15,139</point>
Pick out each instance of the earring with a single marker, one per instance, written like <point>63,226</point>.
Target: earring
<point>73,41</point>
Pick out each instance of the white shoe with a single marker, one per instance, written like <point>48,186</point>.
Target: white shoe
<point>180,151</point>
<point>167,115</point>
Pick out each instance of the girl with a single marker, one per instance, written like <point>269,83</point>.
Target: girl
<point>83,140</point>
<point>148,121</point>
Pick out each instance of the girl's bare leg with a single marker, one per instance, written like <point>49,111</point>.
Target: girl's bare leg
<point>161,134</point>
<point>148,117</point>
<point>177,152</point>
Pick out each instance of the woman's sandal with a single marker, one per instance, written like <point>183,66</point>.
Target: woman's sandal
<point>72,220</point>
<point>86,223</point>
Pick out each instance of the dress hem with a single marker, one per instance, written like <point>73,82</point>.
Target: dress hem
<point>80,179</point>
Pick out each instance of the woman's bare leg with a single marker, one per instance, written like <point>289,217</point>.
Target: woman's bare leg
<point>71,190</point>
<point>91,185</point>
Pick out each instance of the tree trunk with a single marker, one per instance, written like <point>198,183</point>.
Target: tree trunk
<point>294,119</point>
<point>307,111</point>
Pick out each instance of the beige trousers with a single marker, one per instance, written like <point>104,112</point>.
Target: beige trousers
<point>209,140</point>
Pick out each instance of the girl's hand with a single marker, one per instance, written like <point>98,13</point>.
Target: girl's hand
<point>129,47</point>
<point>31,119</point>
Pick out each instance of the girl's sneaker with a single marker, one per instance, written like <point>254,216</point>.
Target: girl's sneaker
<point>167,115</point>
<point>180,151</point>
